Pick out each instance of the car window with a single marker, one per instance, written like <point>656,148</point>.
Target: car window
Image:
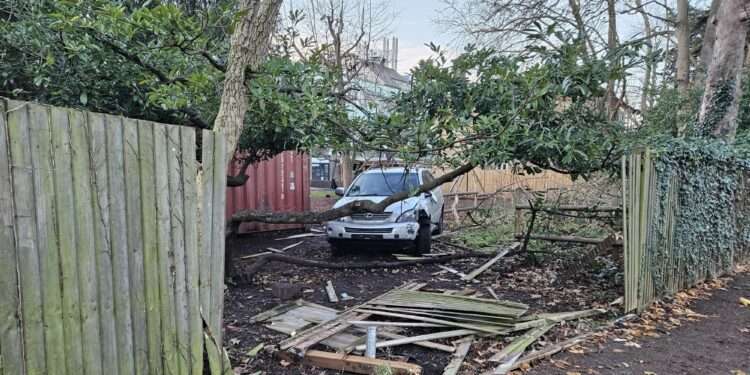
<point>383,184</point>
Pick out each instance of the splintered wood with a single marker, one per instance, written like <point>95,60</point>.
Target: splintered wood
<point>451,316</point>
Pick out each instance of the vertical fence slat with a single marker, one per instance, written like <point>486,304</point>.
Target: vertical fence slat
<point>119,246</point>
<point>189,174</point>
<point>206,246</point>
<point>28,257</point>
<point>87,276</point>
<point>65,203</point>
<point>177,220</point>
<point>166,256</point>
<point>10,308</point>
<point>150,249</point>
<point>102,242</point>
<point>217,232</point>
<point>49,259</point>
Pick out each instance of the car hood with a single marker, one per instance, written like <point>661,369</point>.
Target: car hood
<point>396,208</point>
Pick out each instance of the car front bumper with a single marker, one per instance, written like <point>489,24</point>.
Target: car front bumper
<point>353,230</point>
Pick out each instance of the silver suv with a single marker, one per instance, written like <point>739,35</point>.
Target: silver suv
<point>409,223</point>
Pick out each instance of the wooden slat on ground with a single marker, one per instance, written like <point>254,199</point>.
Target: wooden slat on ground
<point>358,364</point>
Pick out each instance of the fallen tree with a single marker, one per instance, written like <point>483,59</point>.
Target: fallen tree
<point>345,210</point>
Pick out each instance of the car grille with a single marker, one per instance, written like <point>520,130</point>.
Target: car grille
<point>368,230</point>
<point>371,216</point>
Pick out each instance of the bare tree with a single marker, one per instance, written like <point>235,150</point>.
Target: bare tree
<point>718,112</point>
<point>343,33</point>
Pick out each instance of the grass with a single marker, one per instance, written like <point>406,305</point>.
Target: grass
<point>320,194</point>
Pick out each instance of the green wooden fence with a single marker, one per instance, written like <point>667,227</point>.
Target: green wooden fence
<point>102,270</point>
<point>686,219</point>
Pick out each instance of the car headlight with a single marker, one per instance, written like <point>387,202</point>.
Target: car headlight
<point>407,217</point>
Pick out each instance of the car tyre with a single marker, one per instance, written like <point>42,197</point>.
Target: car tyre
<point>440,224</point>
<point>337,249</point>
<point>424,238</point>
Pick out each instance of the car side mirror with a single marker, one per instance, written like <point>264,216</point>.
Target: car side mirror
<point>339,191</point>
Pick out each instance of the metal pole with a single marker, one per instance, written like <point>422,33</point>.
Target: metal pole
<point>372,339</point>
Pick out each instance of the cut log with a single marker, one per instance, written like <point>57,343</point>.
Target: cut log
<point>358,364</point>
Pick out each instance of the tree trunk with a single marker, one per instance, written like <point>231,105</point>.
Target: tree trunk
<point>718,113</point>
<point>709,36</point>
<point>248,49</point>
<point>645,94</point>
<point>683,47</point>
<point>575,8</point>
<point>611,45</point>
<point>347,167</point>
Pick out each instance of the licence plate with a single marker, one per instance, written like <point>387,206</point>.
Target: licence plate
<point>367,236</point>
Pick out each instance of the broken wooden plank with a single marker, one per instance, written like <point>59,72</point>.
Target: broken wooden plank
<point>332,297</point>
<point>278,310</point>
<point>452,270</point>
<point>492,293</point>
<point>285,248</point>
<point>274,250</point>
<point>426,344</point>
<point>539,320</point>
<point>358,364</point>
<point>302,235</point>
<point>395,324</point>
<point>426,337</point>
<point>480,328</point>
<point>299,343</point>
<point>515,349</point>
<point>458,356</point>
<point>255,255</point>
<point>490,262</point>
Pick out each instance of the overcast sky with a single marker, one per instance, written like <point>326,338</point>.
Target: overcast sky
<point>414,26</point>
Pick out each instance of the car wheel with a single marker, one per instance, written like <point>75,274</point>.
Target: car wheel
<point>337,249</point>
<point>440,224</point>
<point>424,238</point>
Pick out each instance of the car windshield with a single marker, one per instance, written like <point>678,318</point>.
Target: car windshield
<point>383,184</point>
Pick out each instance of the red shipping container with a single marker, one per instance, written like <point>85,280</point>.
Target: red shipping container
<point>281,184</point>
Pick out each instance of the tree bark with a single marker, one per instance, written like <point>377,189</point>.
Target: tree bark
<point>645,94</point>
<point>718,113</point>
<point>683,47</point>
<point>709,36</point>
<point>347,168</point>
<point>248,49</point>
<point>612,102</point>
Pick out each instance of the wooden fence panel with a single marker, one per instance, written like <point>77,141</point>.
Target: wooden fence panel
<point>25,226</point>
<point>10,309</point>
<point>101,266</point>
<point>41,139</point>
<point>65,203</point>
<point>119,245</point>
<point>664,251</point>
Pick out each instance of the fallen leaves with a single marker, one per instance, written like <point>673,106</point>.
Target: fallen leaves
<point>745,302</point>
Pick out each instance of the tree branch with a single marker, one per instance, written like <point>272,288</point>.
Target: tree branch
<point>348,209</point>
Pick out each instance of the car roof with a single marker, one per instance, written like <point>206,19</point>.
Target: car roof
<point>393,170</point>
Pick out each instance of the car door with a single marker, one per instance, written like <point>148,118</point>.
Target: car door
<point>435,202</point>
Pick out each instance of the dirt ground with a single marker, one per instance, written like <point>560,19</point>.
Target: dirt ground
<point>716,343</point>
<point>574,279</point>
